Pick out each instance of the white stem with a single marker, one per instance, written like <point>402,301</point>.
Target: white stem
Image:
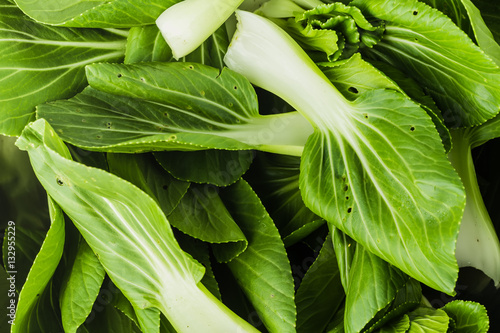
<point>477,245</point>
<point>187,24</point>
<point>192,308</point>
<point>269,58</point>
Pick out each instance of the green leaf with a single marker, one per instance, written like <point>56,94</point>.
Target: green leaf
<point>483,35</point>
<point>345,249</point>
<point>335,29</point>
<point>201,214</point>
<point>26,241</point>
<point>263,270</point>
<point>211,52</point>
<point>354,76</point>
<point>455,10</point>
<point>144,172</point>
<point>129,234</point>
<point>302,232</point>
<point>145,44</point>
<point>40,63</point>
<point>336,325</point>
<point>320,293</point>
<point>373,286</point>
<point>217,167</point>
<point>42,270</point>
<point>111,320</point>
<point>376,186</point>
<point>275,178</point>
<point>422,42</point>
<point>80,288</point>
<point>485,132</point>
<point>400,325</point>
<point>490,15</point>
<point>95,13</point>
<point>469,317</point>
<point>407,298</point>
<point>202,253</point>
<point>428,320</point>
<point>194,209</point>
<point>45,316</point>
<point>24,199</point>
<point>175,106</point>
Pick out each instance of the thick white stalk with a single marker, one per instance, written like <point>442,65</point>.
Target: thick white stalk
<point>187,24</point>
<point>477,245</point>
<point>269,58</point>
<point>192,308</point>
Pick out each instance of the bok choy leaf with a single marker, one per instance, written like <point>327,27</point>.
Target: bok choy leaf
<point>40,63</point>
<point>130,235</point>
<point>365,167</point>
<point>171,106</point>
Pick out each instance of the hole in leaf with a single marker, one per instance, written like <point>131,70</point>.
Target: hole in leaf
<point>108,125</point>
<point>415,12</point>
<point>412,128</point>
<point>143,79</point>
<point>349,210</point>
<point>346,187</point>
<point>235,88</point>
<point>347,198</point>
<point>365,115</point>
<point>59,182</point>
<point>119,75</point>
<point>191,67</point>
<point>353,90</point>
<point>98,136</point>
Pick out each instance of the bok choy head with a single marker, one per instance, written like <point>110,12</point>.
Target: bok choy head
<point>365,169</point>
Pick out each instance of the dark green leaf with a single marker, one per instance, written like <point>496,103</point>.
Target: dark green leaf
<point>145,44</point>
<point>217,167</point>
<point>40,63</point>
<point>80,288</point>
<point>41,272</point>
<point>320,293</point>
<point>422,42</point>
<point>373,286</point>
<point>144,172</point>
<point>263,270</point>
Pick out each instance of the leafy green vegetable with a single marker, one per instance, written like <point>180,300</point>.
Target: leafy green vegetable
<point>80,288</point>
<point>467,316</point>
<point>356,166</point>
<point>420,41</point>
<point>174,106</point>
<point>308,167</point>
<point>95,13</point>
<point>42,270</point>
<point>167,277</point>
<point>320,293</point>
<point>40,63</point>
